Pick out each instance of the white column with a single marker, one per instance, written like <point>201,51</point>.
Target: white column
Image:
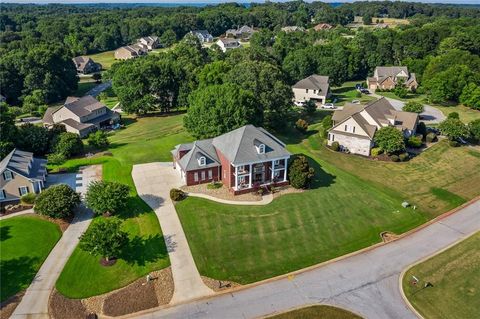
<point>250,176</point>
<point>285,169</point>
<point>273,170</point>
<point>236,177</point>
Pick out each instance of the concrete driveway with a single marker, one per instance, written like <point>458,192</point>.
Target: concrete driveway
<point>153,182</point>
<point>99,88</point>
<point>366,283</point>
<point>73,180</point>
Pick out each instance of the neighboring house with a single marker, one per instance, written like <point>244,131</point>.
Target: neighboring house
<point>149,43</point>
<point>81,115</point>
<point>226,44</point>
<point>381,26</point>
<point>242,159</point>
<point>293,29</point>
<point>130,52</point>
<point>21,174</point>
<point>322,26</point>
<point>355,125</point>
<point>86,65</point>
<point>387,78</point>
<point>315,87</point>
<point>202,35</point>
<point>244,33</point>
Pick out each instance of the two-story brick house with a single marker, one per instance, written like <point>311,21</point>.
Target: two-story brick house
<point>242,160</point>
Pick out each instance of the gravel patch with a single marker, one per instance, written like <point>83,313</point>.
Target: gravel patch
<point>61,307</point>
<point>219,285</point>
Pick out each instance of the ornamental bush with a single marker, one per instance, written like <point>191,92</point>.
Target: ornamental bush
<point>474,128</point>
<point>69,144</point>
<point>57,201</point>
<point>390,139</point>
<point>98,139</point>
<point>421,128</point>
<point>453,128</point>
<point>105,197</point>
<point>403,157</point>
<point>394,158</point>
<point>453,115</point>
<point>56,158</point>
<point>414,141</point>
<point>301,125</point>
<point>335,146</point>
<point>412,106</point>
<point>453,143</point>
<point>431,137</point>
<point>104,238</point>
<point>28,199</point>
<point>376,151</point>
<point>177,194</point>
<point>300,173</point>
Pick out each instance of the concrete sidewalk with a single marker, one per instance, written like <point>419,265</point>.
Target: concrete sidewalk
<point>153,182</point>
<point>267,199</point>
<point>366,283</point>
<point>34,303</point>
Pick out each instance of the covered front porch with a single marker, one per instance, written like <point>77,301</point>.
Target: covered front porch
<point>252,175</point>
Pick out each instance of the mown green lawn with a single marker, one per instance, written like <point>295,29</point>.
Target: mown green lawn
<point>25,242</point>
<point>348,93</point>
<point>106,59</point>
<point>455,276</point>
<point>83,276</point>
<point>84,87</point>
<point>317,312</point>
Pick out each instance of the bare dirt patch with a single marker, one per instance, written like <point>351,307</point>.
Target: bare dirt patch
<point>61,307</point>
<point>219,285</point>
<point>62,223</point>
<point>388,236</point>
<point>8,306</point>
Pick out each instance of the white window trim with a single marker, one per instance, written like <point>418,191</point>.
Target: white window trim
<point>22,189</point>
<point>195,176</point>
<point>203,175</point>
<point>10,174</point>
<point>202,161</point>
<point>261,149</point>
<point>2,194</point>
<point>210,174</point>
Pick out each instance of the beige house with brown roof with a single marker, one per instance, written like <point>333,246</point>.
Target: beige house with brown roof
<point>130,52</point>
<point>21,173</point>
<point>387,78</point>
<point>322,26</point>
<point>86,65</point>
<point>315,87</point>
<point>81,115</point>
<point>355,125</point>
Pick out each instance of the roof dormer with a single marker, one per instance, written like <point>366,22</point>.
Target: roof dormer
<point>202,161</point>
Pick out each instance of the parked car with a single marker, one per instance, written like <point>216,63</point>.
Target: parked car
<point>364,91</point>
<point>358,86</point>
<point>356,102</point>
<point>328,106</point>
<point>299,103</point>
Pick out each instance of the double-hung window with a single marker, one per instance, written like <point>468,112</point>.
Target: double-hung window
<point>23,190</point>
<point>203,175</point>
<point>210,175</point>
<point>2,194</point>
<point>7,175</point>
<point>195,177</point>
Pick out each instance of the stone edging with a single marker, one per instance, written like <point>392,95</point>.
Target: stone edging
<point>322,264</point>
<point>267,199</point>
<point>402,274</point>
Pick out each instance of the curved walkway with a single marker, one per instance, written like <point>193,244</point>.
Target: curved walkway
<point>153,182</point>
<point>20,213</point>
<point>267,199</point>
<point>364,282</point>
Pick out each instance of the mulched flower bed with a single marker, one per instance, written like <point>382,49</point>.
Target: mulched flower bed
<point>8,306</point>
<point>61,307</point>
<point>107,263</point>
<point>219,285</point>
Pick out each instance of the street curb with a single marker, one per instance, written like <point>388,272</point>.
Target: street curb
<point>402,274</point>
<point>300,271</point>
<point>306,306</point>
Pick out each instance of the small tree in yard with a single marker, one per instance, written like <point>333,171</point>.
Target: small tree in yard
<point>301,125</point>
<point>453,129</point>
<point>57,201</point>
<point>105,197</point>
<point>390,139</point>
<point>453,115</point>
<point>98,139</point>
<point>300,173</point>
<point>104,238</point>
<point>474,128</point>
<point>69,144</point>
<point>412,106</point>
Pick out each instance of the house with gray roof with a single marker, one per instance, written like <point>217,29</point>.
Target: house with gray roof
<point>21,173</point>
<point>354,126</point>
<point>149,43</point>
<point>130,51</point>
<point>81,115</point>
<point>203,35</point>
<point>243,159</point>
<point>244,33</point>
<point>227,44</point>
<point>387,78</point>
<point>86,65</point>
<point>315,87</point>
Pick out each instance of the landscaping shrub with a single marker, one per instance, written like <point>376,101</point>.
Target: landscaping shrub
<point>412,106</point>
<point>56,158</point>
<point>28,199</point>
<point>57,201</point>
<point>403,157</point>
<point>98,139</point>
<point>390,139</point>
<point>104,197</point>
<point>335,146</point>
<point>310,107</point>
<point>214,185</point>
<point>394,158</point>
<point>300,173</point>
<point>301,125</point>
<point>376,151</point>
<point>177,194</point>
<point>453,115</point>
<point>104,238</point>
<point>69,144</point>
<point>414,141</point>
<point>454,129</point>
<point>474,128</point>
<point>453,143</point>
<point>421,129</point>
<point>431,137</point>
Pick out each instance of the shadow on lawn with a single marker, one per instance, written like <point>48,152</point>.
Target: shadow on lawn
<point>143,250</point>
<point>16,275</point>
<point>321,178</point>
<point>5,233</point>
<point>135,207</point>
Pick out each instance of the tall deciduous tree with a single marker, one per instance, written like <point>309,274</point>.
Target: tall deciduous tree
<point>454,128</point>
<point>390,139</point>
<point>105,197</point>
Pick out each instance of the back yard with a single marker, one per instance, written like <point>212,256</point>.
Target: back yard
<point>455,277</point>
<point>25,242</point>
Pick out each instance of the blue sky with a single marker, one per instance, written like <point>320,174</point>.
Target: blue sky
<point>209,1</point>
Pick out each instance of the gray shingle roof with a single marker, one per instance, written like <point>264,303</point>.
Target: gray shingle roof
<point>238,146</point>
<point>313,82</point>
<point>386,71</point>
<point>24,163</point>
<point>190,161</point>
<point>84,105</point>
